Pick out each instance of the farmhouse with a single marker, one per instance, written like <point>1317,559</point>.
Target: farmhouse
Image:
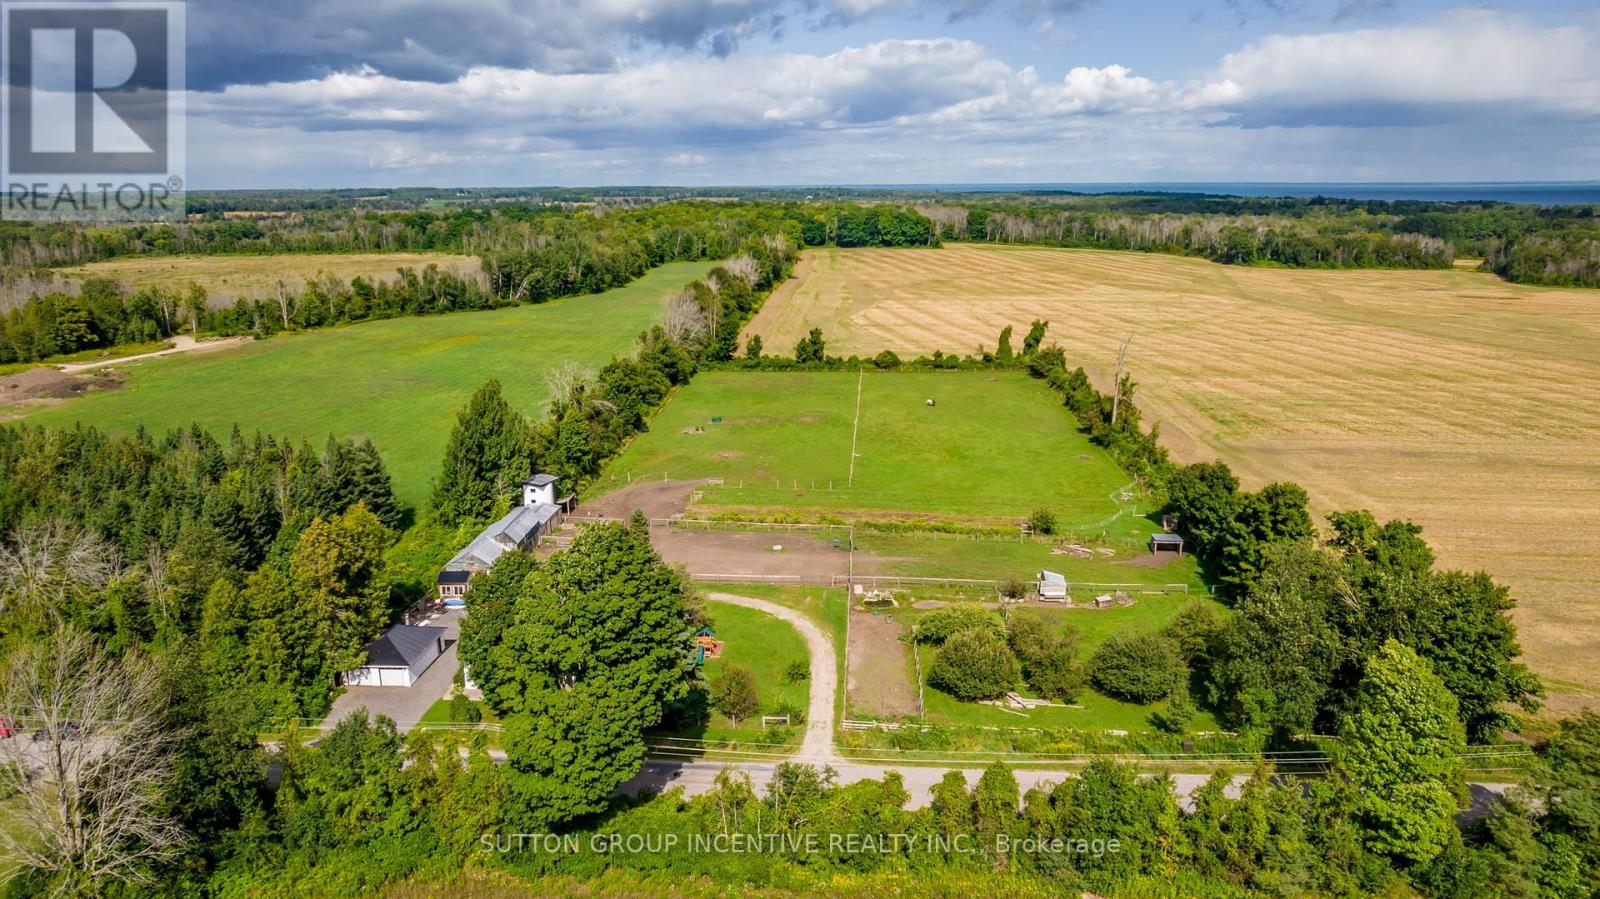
<point>397,658</point>
<point>518,530</point>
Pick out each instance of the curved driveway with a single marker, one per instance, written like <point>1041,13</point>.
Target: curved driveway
<point>817,746</point>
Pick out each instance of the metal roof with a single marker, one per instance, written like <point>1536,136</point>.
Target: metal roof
<point>1166,538</point>
<point>541,480</point>
<point>403,645</point>
<point>505,535</point>
<point>1051,577</point>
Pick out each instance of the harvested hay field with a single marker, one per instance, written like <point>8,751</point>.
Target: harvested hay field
<point>229,278</point>
<point>1462,402</point>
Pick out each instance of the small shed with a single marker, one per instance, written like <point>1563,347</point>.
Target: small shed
<point>397,658</point>
<point>1052,587</point>
<point>1166,543</point>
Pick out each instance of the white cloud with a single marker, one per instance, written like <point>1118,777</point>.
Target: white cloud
<point>898,103</point>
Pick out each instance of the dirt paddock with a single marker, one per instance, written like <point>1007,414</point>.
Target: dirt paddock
<point>880,680</point>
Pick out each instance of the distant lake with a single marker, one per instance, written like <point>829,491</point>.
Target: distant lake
<point>1544,193</point>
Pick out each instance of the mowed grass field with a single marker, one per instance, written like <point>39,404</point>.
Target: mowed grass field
<point>992,449</point>
<point>228,278</point>
<point>399,382</point>
<point>1452,398</point>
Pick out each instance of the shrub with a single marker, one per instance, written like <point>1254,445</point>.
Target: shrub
<point>1014,587</point>
<point>797,671</point>
<point>974,664</point>
<point>464,710</point>
<point>733,693</point>
<point>1042,521</point>
<point>1174,717</point>
<point>1049,660</point>
<point>886,359</point>
<point>1139,668</point>
<point>942,624</point>
<point>796,713</point>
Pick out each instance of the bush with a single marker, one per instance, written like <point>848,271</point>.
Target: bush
<point>1042,521</point>
<point>464,710</point>
<point>1014,587</point>
<point>974,664</point>
<point>886,360</point>
<point>733,693</point>
<point>1049,660</point>
<point>797,671</point>
<point>797,714</point>
<point>942,624</point>
<point>1139,668</point>
<point>1174,717</point>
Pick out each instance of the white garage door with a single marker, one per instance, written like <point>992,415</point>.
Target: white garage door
<point>394,677</point>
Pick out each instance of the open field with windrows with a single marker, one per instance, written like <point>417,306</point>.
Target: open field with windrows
<point>399,382</point>
<point>991,450</point>
<point>228,278</point>
<point>1451,398</point>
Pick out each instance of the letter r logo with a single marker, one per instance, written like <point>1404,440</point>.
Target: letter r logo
<point>89,86</point>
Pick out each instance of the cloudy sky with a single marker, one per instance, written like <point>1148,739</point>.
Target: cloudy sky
<point>288,93</point>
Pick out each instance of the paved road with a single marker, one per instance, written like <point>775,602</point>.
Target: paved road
<point>698,777</point>
<point>407,704</point>
<point>180,344</point>
<point>817,746</point>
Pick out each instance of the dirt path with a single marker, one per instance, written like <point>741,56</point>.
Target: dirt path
<point>817,746</point>
<point>180,344</point>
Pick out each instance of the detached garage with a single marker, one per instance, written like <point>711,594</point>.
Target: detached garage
<point>398,658</point>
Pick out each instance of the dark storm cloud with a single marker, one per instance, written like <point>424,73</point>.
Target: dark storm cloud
<point>255,42</point>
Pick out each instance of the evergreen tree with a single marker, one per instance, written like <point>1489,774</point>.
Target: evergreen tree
<point>490,452</point>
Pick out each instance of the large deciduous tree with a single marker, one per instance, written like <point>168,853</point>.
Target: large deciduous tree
<point>1401,745</point>
<point>599,646</point>
<point>89,803</point>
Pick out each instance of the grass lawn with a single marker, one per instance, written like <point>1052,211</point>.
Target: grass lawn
<point>824,605</point>
<point>995,447</point>
<point>398,381</point>
<point>1098,712</point>
<point>439,713</point>
<point>766,646</point>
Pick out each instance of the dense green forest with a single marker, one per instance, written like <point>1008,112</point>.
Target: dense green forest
<point>533,253</point>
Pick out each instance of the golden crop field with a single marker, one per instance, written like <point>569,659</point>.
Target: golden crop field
<point>1467,404</point>
<point>227,278</point>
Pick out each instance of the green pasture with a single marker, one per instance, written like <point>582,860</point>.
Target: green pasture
<point>994,447</point>
<point>398,381</point>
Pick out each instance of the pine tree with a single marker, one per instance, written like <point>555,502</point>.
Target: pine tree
<point>490,451</point>
<point>374,487</point>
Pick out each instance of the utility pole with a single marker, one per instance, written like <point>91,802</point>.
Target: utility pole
<point>1116,385</point>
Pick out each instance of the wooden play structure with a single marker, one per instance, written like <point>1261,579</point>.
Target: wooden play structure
<point>706,646</point>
